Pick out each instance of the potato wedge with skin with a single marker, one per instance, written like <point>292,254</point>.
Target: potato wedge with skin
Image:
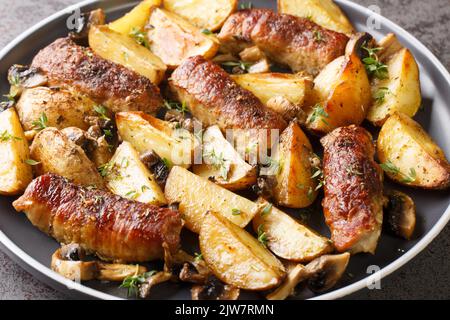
<point>124,50</point>
<point>399,92</point>
<point>136,19</point>
<point>236,257</point>
<point>15,173</point>
<point>295,186</point>
<point>57,154</point>
<point>289,239</point>
<point>147,133</point>
<point>323,12</point>
<point>196,195</point>
<point>343,95</point>
<point>173,39</point>
<point>62,108</point>
<point>265,86</point>
<point>409,155</point>
<point>223,164</point>
<point>127,176</point>
<point>204,14</point>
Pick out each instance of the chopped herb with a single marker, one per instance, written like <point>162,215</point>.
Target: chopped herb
<point>102,111</point>
<point>218,162</point>
<point>389,167</point>
<point>207,31</point>
<point>244,66</point>
<point>248,5</point>
<point>144,187</point>
<point>309,17</point>
<point>411,177</point>
<point>108,133</point>
<point>140,37</point>
<point>40,123</point>
<point>235,212</point>
<point>173,105</point>
<point>166,162</point>
<point>373,65</point>
<point>133,194</point>
<point>318,36</point>
<point>319,176</point>
<point>380,95</point>
<point>310,194</point>
<point>267,209</point>
<point>105,169</point>
<point>31,162</point>
<point>132,283</point>
<point>318,113</point>
<point>198,257</point>
<point>262,237</point>
<point>6,136</point>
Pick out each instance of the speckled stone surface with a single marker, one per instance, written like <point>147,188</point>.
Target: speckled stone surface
<point>425,277</point>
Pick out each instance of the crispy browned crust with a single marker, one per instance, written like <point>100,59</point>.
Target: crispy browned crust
<point>353,200</point>
<point>286,39</point>
<point>214,98</point>
<point>118,88</point>
<point>112,227</point>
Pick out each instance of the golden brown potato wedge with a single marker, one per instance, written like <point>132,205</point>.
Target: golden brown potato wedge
<point>124,50</point>
<point>222,163</point>
<point>204,14</point>
<point>127,176</point>
<point>147,133</point>
<point>323,12</point>
<point>267,87</point>
<point>173,39</point>
<point>196,195</point>
<point>295,186</point>
<point>136,19</point>
<point>237,258</point>
<point>410,156</point>
<point>288,238</point>
<point>401,90</point>
<point>15,173</point>
<point>62,108</point>
<point>57,154</point>
<point>343,95</point>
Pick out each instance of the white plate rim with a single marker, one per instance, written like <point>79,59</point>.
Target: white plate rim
<point>339,293</point>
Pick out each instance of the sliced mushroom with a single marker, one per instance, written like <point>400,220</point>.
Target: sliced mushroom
<point>296,273</point>
<point>22,77</point>
<point>84,24</point>
<point>325,271</point>
<point>400,214</point>
<point>214,289</point>
<point>157,278</point>
<point>156,166</point>
<point>67,261</point>
<point>357,42</point>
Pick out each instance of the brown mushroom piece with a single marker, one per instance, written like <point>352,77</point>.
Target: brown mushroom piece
<point>68,262</point>
<point>24,77</point>
<point>320,275</point>
<point>400,214</point>
<point>214,289</point>
<point>150,282</point>
<point>83,24</point>
<point>156,166</point>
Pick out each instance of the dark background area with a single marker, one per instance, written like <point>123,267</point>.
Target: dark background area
<point>427,276</point>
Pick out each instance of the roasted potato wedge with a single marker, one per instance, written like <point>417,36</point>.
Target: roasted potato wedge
<point>295,186</point>
<point>237,258</point>
<point>147,133</point>
<point>127,176</point>
<point>400,91</point>
<point>15,173</point>
<point>204,14</point>
<point>136,19</point>
<point>293,89</point>
<point>57,154</point>
<point>409,155</point>
<point>323,12</point>
<point>222,163</point>
<point>173,39</point>
<point>343,95</point>
<point>288,238</point>
<point>196,195</point>
<point>62,108</point>
<point>124,50</point>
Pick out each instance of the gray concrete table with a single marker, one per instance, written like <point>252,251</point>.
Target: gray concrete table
<point>425,277</point>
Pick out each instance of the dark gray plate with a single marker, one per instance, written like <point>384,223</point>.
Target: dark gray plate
<point>32,249</point>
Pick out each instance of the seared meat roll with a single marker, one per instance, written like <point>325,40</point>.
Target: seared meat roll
<point>353,203</point>
<point>118,88</point>
<point>214,98</point>
<point>112,227</point>
<point>289,40</point>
